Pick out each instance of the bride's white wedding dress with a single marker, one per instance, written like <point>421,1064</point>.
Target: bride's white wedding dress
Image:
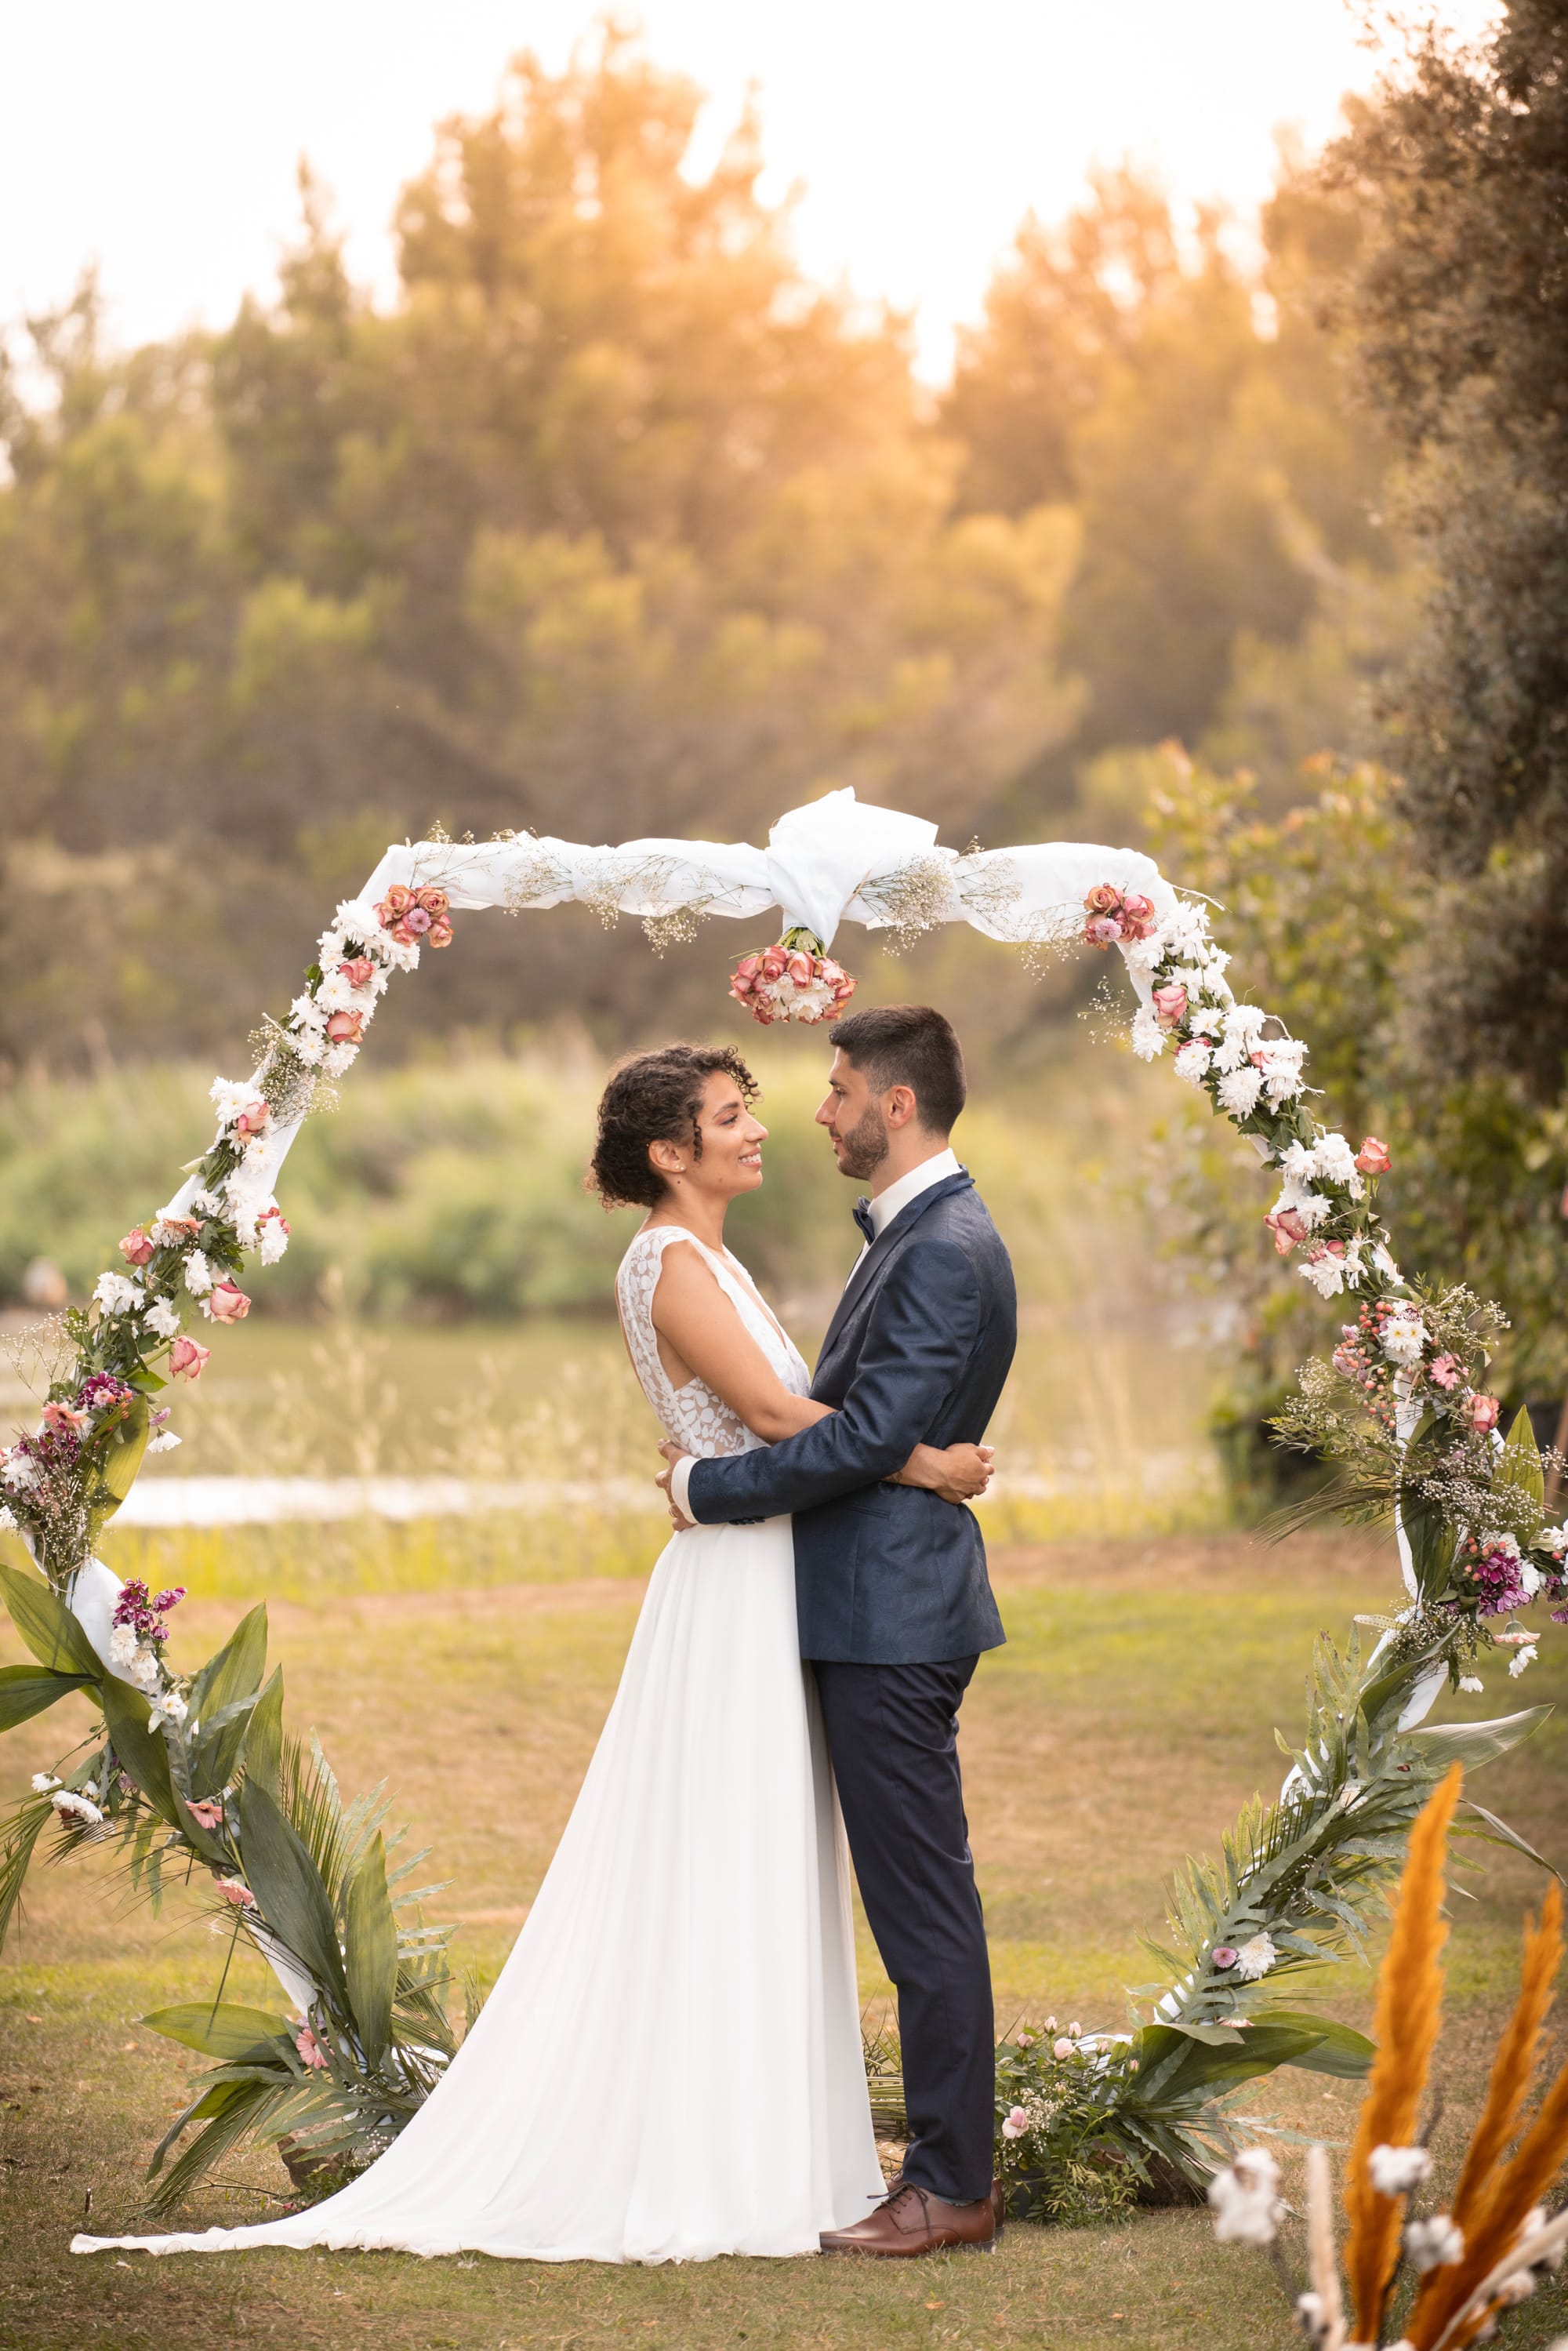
<point>669,2066</point>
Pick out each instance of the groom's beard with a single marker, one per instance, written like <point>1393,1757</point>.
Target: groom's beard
<point>863,1147</point>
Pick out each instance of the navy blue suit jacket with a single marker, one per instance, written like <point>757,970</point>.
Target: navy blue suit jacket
<point>917,1354</point>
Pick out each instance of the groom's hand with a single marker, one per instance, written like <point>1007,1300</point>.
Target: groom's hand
<point>665,1478</point>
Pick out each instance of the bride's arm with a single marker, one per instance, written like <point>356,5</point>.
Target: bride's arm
<point>703,1333</point>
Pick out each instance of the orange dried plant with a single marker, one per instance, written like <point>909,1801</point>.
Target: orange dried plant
<point>1409,2011</point>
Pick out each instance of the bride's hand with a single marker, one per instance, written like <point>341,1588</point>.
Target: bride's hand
<point>953,1473</point>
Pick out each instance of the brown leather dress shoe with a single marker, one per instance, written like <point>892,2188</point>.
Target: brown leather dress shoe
<point>910,2220</point>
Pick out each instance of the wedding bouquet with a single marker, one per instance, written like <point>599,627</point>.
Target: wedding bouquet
<point>796,979</point>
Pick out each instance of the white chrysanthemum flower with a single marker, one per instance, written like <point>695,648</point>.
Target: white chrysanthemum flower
<point>1396,2170</point>
<point>164,1442</point>
<point>1326,1274</point>
<point>1472,1683</point>
<point>118,1294</point>
<point>167,1707</point>
<point>1192,1061</point>
<point>274,1241</point>
<point>1404,1337</point>
<point>356,918</point>
<point>73,1807</point>
<point>9,1522</point>
<point>43,1781</point>
<point>1520,1659</point>
<point>1435,2243</point>
<point>205,1204</point>
<point>1332,1158</point>
<point>1239,1089</point>
<point>1186,928</point>
<point>1147,1037</point>
<point>1313,1208</point>
<point>1282,1079</point>
<point>1255,1957</point>
<point>21,1472</point>
<point>1299,1162</point>
<point>162,1319</point>
<point>1245,2199</point>
<point>337,1059</point>
<point>229,1096</point>
<point>307,1012</point>
<point>1144,955</point>
<point>199,1274</point>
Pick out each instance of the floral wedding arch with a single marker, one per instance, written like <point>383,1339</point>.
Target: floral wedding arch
<point>194,1772</point>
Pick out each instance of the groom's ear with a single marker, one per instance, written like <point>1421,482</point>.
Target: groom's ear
<point>899,1106</point>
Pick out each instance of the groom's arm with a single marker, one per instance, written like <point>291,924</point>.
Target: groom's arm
<point>924,1323</point>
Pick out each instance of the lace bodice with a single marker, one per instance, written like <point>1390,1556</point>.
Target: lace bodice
<point>693,1415</point>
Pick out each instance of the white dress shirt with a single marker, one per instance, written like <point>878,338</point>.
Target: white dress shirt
<point>883,1206</point>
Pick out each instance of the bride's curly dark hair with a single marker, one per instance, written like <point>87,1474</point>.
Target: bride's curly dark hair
<point>655,1098</point>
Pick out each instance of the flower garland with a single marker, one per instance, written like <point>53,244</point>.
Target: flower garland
<point>1402,1407</point>
<point>61,1482</point>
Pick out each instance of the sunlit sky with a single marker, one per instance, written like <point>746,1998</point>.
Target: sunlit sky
<point>159,141</point>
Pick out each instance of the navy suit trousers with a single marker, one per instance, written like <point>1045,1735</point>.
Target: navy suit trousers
<point>893,1735</point>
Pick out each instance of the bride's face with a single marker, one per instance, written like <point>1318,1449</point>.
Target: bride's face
<point>731,1161</point>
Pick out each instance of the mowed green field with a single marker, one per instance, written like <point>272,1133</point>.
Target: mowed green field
<point>1129,1715</point>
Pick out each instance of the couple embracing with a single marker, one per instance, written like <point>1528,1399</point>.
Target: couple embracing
<point>669,2067</point>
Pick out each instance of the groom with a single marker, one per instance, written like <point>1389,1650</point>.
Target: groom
<point>894,1601</point>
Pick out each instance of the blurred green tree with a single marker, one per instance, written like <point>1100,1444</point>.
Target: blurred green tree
<point>1456,307</point>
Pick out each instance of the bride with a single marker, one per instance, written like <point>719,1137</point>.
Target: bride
<point>669,2066</point>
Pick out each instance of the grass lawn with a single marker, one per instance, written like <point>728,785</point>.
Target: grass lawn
<point>1128,1716</point>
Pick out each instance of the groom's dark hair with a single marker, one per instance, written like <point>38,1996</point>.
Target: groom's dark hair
<point>908,1045</point>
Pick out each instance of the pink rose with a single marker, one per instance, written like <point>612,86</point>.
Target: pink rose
<point>432,902</point>
<point>204,1810</point>
<point>1372,1157</point>
<point>1061,2048</point>
<point>358,971</point>
<point>799,968</point>
<point>311,2049</point>
<point>1170,1005</point>
<point>64,1419</point>
<point>440,932</point>
<point>188,1358</point>
<point>1138,918</point>
<point>1016,2124</point>
<point>136,1248</point>
<point>228,1302</point>
<point>235,1890</point>
<point>775,961</point>
<point>1103,899</point>
<point>1444,1371</point>
<point>253,1118</point>
<point>748,969</point>
<point>394,906</point>
<point>1102,931</point>
<point>831,973</point>
<point>345,1027</point>
<point>1485,1413</point>
<point>843,989</point>
<point>1287,1228</point>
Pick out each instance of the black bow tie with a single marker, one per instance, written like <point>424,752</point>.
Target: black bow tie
<point>862,1218</point>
